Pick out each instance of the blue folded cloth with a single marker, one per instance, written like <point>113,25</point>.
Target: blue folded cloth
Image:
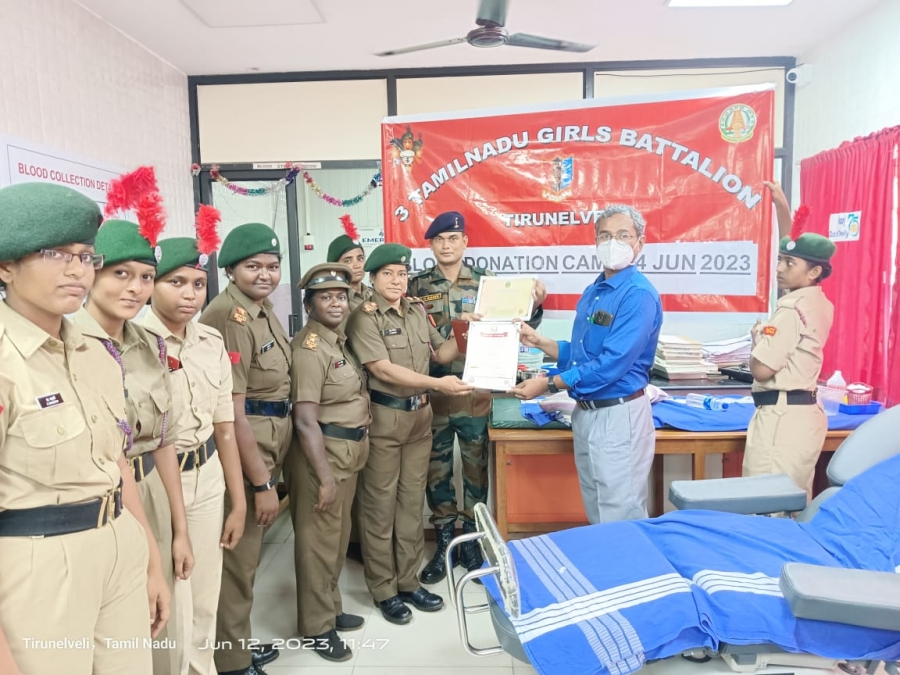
<point>532,411</point>
<point>673,415</point>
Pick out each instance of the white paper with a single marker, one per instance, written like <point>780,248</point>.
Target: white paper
<point>492,355</point>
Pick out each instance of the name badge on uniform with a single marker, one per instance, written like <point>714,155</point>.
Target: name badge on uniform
<point>173,363</point>
<point>601,318</point>
<point>391,331</point>
<point>266,347</point>
<point>50,400</point>
<point>431,296</point>
<point>341,363</point>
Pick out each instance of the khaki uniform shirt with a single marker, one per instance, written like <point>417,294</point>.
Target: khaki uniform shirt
<point>356,299</point>
<point>200,376</point>
<point>791,341</point>
<point>377,332</point>
<point>60,405</point>
<point>148,396</point>
<point>256,343</point>
<point>325,371</point>
<point>444,302</point>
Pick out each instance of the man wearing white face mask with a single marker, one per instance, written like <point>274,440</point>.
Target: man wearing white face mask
<point>605,367</point>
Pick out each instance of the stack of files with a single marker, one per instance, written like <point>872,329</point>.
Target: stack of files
<point>728,353</point>
<point>678,358</point>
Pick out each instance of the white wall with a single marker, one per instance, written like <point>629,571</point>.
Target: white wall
<point>855,88</point>
<point>71,81</point>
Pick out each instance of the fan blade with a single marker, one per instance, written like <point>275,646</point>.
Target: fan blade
<point>537,42</point>
<point>419,48</point>
<point>492,13</point>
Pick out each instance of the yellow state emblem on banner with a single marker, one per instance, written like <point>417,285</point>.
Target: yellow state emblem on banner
<point>737,123</point>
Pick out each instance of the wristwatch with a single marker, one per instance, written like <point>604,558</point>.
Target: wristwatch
<point>551,385</point>
<point>265,487</point>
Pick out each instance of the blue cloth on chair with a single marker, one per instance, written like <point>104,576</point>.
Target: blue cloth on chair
<point>605,598</point>
<point>668,413</point>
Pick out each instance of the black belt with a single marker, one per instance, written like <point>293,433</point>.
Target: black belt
<point>344,433</point>
<point>268,408</point>
<point>609,402</point>
<point>142,466</point>
<point>411,403</point>
<point>795,397</point>
<point>194,459</point>
<point>51,521</point>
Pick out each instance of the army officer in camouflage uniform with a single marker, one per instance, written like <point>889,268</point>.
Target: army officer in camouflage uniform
<point>394,340</point>
<point>449,291</point>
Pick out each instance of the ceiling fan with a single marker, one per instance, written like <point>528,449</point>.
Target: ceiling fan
<point>491,32</point>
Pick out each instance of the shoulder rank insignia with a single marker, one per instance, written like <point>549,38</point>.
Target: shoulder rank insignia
<point>311,342</point>
<point>239,315</point>
<point>370,307</point>
<point>769,331</point>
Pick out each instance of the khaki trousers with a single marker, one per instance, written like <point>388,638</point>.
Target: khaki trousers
<point>197,599</point>
<point>320,544</point>
<point>787,439</point>
<point>77,603</point>
<point>168,647</point>
<point>233,631</point>
<point>392,499</point>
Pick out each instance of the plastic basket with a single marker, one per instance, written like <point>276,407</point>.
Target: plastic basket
<point>859,394</point>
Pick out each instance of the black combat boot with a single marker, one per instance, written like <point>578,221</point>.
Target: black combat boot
<point>470,552</point>
<point>436,569</point>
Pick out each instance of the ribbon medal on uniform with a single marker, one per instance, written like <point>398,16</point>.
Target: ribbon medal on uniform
<point>266,347</point>
<point>234,357</point>
<point>311,342</point>
<point>769,331</point>
<point>340,364</point>
<point>240,315</point>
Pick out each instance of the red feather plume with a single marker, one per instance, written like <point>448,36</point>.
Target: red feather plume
<point>207,224</point>
<point>801,215</point>
<point>349,227</point>
<point>151,217</point>
<point>125,192</point>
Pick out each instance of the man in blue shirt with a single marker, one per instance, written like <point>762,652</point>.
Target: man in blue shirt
<point>605,368</point>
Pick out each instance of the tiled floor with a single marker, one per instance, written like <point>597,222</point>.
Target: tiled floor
<point>430,645</point>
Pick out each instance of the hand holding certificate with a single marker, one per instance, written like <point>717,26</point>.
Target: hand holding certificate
<point>492,355</point>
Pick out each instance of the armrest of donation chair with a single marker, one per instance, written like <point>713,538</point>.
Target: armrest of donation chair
<point>750,495</point>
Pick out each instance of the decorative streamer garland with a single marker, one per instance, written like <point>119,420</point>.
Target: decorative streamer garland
<point>289,178</point>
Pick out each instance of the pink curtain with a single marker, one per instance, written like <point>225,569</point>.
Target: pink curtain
<point>859,176</point>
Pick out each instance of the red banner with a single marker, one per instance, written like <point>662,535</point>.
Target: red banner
<point>531,183</point>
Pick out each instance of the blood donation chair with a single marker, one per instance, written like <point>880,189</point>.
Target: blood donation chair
<point>828,592</point>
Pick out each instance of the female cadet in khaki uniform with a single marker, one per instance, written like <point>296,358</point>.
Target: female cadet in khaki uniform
<point>789,426</point>
<point>119,292</point>
<point>347,250</point>
<point>76,565</point>
<point>260,357</point>
<point>331,416</point>
<point>202,430</point>
<point>395,341</point>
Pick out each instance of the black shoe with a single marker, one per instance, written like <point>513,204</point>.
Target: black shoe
<point>436,569</point>
<point>354,552</point>
<point>264,654</point>
<point>348,622</point>
<point>470,552</point>
<point>394,610</point>
<point>422,600</point>
<point>330,646</point>
<point>252,670</point>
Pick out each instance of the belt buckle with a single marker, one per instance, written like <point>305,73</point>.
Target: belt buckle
<point>184,459</point>
<point>414,403</point>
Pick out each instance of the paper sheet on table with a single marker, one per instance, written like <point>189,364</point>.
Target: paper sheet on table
<point>492,355</point>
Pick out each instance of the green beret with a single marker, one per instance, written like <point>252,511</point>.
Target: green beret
<point>388,254</point>
<point>121,241</point>
<point>812,247</point>
<point>247,240</point>
<point>179,252</point>
<point>326,275</point>
<point>43,215</point>
<point>340,246</point>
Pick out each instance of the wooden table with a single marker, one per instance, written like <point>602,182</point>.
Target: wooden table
<point>508,443</point>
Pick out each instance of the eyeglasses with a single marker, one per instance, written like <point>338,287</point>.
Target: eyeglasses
<point>623,237</point>
<point>64,258</point>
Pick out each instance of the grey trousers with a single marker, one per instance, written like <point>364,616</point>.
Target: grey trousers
<point>613,454</point>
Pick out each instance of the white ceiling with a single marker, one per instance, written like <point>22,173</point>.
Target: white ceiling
<point>344,34</point>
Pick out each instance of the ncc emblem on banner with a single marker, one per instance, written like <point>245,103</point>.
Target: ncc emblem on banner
<point>737,123</point>
<point>407,149</point>
<point>562,170</point>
